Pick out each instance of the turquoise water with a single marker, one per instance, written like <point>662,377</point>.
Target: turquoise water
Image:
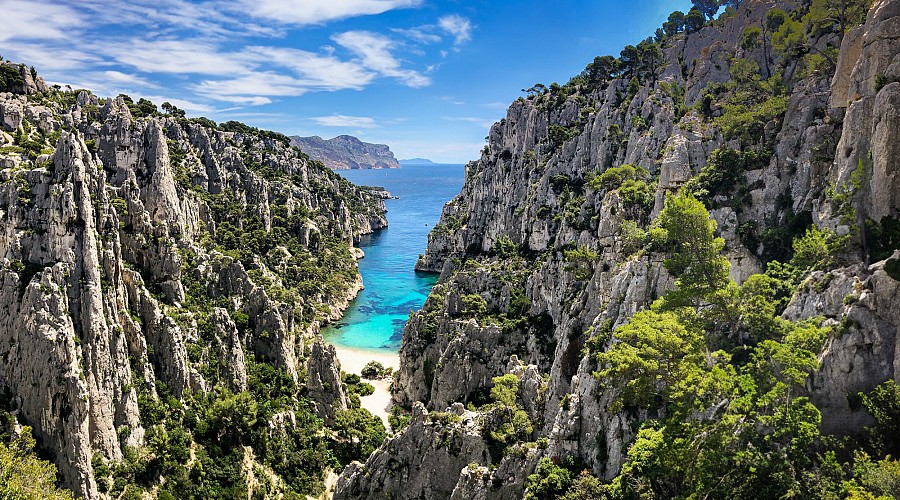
<point>374,321</point>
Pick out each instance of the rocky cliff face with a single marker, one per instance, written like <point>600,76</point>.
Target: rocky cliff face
<point>151,257</point>
<point>346,152</point>
<point>537,257</point>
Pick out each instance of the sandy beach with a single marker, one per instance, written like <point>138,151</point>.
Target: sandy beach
<point>353,361</point>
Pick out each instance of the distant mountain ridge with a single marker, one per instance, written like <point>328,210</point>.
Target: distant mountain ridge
<point>417,161</point>
<point>346,152</point>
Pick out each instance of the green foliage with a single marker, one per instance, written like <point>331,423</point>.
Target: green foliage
<point>694,20</point>
<point>750,105</point>
<point>883,403</point>
<point>789,37</point>
<point>22,474</point>
<point>559,134</point>
<point>373,370</point>
<point>356,388</point>
<point>674,24</point>
<point>817,250</point>
<point>505,248</point>
<point>758,425</point>
<point>747,121</point>
<point>586,487</point>
<point>10,77</point>
<point>882,238</point>
<point>398,419</point>
<point>601,70</point>
<point>879,480</point>
<point>744,71</point>
<point>507,423</point>
<point>505,389</point>
<point>707,7</point>
<point>580,254</point>
<point>614,177</point>
<point>549,481</point>
<point>840,14</point>
<point>580,261</point>
<point>474,305</point>
<point>358,434</point>
<point>724,175</point>
<point>751,37</point>
<point>653,352</point>
<point>686,231</point>
<point>633,237</point>
<point>892,268</point>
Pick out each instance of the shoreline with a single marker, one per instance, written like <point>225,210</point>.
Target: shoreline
<point>353,360</point>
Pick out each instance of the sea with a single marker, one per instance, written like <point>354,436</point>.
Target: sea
<point>375,319</point>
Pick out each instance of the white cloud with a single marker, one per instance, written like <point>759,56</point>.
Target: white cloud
<point>452,100</point>
<point>421,34</point>
<point>212,20</point>
<point>250,88</point>
<point>496,105</point>
<point>126,79</point>
<point>305,12</point>
<point>481,122</point>
<point>37,20</point>
<point>181,103</point>
<point>323,72</point>
<point>178,56</point>
<point>345,121</point>
<point>458,26</point>
<point>374,51</point>
<point>205,46</point>
<point>48,57</point>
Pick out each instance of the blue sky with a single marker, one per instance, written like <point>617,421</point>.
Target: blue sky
<point>426,77</point>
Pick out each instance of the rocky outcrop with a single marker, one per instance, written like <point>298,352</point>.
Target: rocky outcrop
<point>325,386</point>
<point>147,257</point>
<point>529,223</point>
<point>447,442</point>
<point>346,152</point>
<point>20,79</point>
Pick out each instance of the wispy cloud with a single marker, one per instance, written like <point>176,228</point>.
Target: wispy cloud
<point>452,100</point>
<point>251,88</point>
<point>458,26</point>
<point>496,105</point>
<point>304,12</point>
<point>191,56</point>
<point>126,79</point>
<point>319,71</point>
<point>30,20</point>
<point>216,51</point>
<point>375,53</point>
<point>345,121</point>
<point>421,34</point>
<point>181,103</point>
<point>481,122</point>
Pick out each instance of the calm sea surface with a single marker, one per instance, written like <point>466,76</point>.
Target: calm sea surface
<point>375,319</point>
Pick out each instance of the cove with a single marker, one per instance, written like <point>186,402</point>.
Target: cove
<point>375,319</point>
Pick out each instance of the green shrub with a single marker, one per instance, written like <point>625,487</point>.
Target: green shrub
<point>474,305</point>
<point>358,433</point>
<point>372,370</point>
<point>10,77</point>
<point>613,177</point>
<point>550,481</point>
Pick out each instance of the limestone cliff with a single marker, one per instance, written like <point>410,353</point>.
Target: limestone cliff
<point>346,152</point>
<point>146,257</point>
<point>536,255</point>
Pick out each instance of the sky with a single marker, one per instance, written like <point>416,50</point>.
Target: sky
<point>426,77</point>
